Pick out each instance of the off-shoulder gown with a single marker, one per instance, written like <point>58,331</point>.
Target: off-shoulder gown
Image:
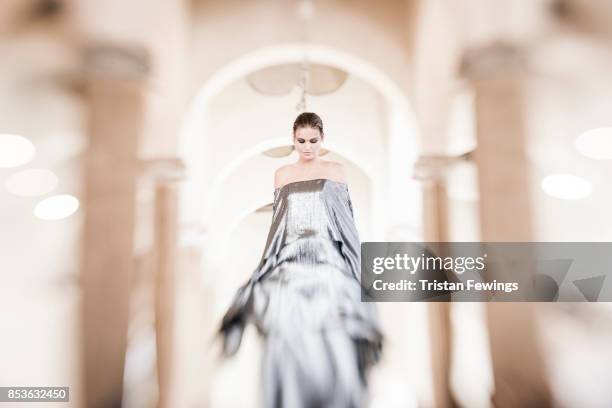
<point>304,297</point>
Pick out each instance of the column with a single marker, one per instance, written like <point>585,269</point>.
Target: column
<point>171,172</point>
<point>114,93</point>
<point>431,171</point>
<point>498,74</point>
<point>195,321</point>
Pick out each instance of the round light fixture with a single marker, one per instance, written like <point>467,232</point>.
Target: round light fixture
<point>31,182</point>
<point>15,150</point>
<point>282,79</point>
<point>596,143</point>
<point>566,186</point>
<point>56,207</point>
<point>284,151</point>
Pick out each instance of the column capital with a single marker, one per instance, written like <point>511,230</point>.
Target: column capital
<point>163,169</point>
<point>433,167</point>
<point>497,59</point>
<point>117,61</point>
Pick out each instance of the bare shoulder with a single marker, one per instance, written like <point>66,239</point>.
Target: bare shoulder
<point>336,171</point>
<point>282,175</point>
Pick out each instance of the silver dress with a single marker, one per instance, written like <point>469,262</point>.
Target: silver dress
<point>304,298</point>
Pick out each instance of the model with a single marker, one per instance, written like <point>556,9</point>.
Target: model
<point>304,297</point>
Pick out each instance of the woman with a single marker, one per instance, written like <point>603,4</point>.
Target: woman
<point>304,296</point>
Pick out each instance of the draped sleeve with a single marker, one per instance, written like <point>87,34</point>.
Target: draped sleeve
<point>345,232</point>
<point>237,315</point>
<point>364,323</point>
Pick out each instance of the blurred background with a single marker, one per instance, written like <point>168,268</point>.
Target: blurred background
<point>138,142</point>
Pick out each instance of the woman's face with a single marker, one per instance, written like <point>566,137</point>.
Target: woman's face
<point>307,142</point>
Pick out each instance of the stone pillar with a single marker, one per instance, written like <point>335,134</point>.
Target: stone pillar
<point>195,323</point>
<point>431,171</point>
<point>165,174</point>
<point>114,93</point>
<point>498,76</point>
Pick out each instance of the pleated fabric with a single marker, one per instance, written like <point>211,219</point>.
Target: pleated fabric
<point>304,299</point>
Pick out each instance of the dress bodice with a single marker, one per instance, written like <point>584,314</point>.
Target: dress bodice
<point>307,207</point>
<point>317,208</point>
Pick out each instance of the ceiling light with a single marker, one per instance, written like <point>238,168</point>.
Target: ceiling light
<point>56,207</point>
<point>282,79</point>
<point>283,151</point>
<point>566,186</point>
<point>15,150</point>
<point>596,143</point>
<point>31,182</point>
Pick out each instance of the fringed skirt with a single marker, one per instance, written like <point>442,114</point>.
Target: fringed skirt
<point>320,339</point>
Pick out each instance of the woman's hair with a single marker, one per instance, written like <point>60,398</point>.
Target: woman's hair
<point>308,119</point>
